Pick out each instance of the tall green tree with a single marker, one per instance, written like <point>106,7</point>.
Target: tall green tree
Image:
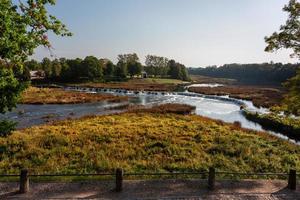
<point>288,37</point>
<point>47,67</point>
<point>134,68</point>
<point>109,69</point>
<point>23,27</point>
<point>56,69</point>
<point>121,70</point>
<point>74,71</point>
<point>133,65</point>
<point>178,71</point>
<point>157,65</point>
<point>92,68</point>
<point>128,58</point>
<point>9,87</point>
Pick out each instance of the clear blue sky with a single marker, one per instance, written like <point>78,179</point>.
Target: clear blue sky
<point>193,32</point>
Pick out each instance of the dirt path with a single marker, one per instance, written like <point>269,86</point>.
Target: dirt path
<point>157,189</point>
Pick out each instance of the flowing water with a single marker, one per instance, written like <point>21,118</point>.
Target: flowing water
<point>222,108</point>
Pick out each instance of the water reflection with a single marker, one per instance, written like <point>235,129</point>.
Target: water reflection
<point>221,108</point>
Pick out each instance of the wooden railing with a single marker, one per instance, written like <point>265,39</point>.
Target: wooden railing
<point>119,177</point>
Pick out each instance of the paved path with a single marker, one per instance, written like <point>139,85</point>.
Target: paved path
<point>155,189</point>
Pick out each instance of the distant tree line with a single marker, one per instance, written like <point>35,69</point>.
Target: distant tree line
<point>266,73</point>
<point>94,69</point>
<point>157,66</point>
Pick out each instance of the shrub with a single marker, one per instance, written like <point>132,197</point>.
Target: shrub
<point>182,109</point>
<point>6,127</point>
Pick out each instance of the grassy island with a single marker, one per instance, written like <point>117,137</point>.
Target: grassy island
<point>144,141</point>
<point>148,84</point>
<point>35,95</point>
<point>260,96</point>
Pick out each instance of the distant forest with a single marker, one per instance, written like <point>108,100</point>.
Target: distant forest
<point>266,73</point>
<point>103,70</point>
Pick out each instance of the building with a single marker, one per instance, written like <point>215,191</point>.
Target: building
<point>37,75</point>
<point>144,74</point>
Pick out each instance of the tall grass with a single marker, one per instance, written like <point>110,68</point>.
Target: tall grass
<point>141,142</point>
<point>35,95</point>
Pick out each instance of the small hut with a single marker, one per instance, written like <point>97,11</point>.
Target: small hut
<point>144,74</point>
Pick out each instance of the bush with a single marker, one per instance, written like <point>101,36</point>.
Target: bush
<point>6,127</point>
<point>175,108</point>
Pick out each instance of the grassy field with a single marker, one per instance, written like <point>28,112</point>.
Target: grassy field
<point>206,79</point>
<point>144,141</point>
<point>260,96</point>
<point>137,84</point>
<point>34,95</point>
<point>164,81</point>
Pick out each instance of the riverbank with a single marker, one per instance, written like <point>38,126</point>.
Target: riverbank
<point>143,141</point>
<point>34,95</point>
<point>284,124</point>
<point>260,96</point>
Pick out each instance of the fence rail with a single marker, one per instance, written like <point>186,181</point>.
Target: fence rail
<point>253,174</point>
<point>120,174</point>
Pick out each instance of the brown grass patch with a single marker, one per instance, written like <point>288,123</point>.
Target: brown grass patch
<point>135,85</point>
<point>182,109</point>
<point>59,96</point>
<point>260,96</point>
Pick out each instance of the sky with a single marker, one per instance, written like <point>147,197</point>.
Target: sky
<point>197,33</point>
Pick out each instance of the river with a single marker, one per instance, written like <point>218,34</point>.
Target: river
<point>221,108</point>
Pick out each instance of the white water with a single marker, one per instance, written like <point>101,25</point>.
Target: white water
<point>216,107</point>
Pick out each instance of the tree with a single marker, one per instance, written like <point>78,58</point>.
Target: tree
<point>292,99</point>
<point>121,70</point>
<point>64,73</point>
<point>178,71</point>
<point>289,35</point>
<point>92,68</point>
<point>250,73</point>
<point>173,69</point>
<point>47,67</point>
<point>32,65</point>
<point>289,38</point>
<point>23,27</point>
<point>128,58</point>
<point>157,65</point>
<point>10,88</point>
<point>74,71</point>
<point>134,68</point>
<point>109,69</point>
<point>55,69</point>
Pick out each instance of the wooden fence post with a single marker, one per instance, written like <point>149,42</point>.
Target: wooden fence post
<point>292,179</point>
<point>24,181</point>
<point>211,178</point>
<point>119,179</point>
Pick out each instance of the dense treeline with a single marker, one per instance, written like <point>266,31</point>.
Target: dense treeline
<point>163,67</point>
<point>266,73</point>
<point>94,69</point>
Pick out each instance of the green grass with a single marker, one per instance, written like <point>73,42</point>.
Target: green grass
<point>208,79</point>
<point>144,142</point>
<point>276,122</point>
<point>164,81</point>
